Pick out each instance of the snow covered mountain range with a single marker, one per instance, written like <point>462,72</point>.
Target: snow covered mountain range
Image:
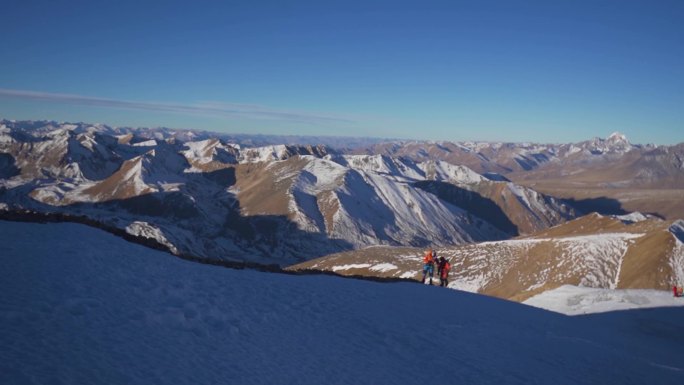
<point>206,197</point>
<point>611,175</point>
<point>274,204</point>
<point>657,163</point>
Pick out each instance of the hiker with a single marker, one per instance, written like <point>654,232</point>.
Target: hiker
<point>428,264</point>
<point>443,266</point>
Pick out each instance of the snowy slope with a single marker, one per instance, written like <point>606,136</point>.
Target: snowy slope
<point>83,307</point>
<point>573,300</point>
<point>593,251</point>
<point>369,200</point>
<point>519,265</point>
<point>411,213</point>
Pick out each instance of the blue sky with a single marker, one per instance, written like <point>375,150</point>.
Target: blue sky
<point>547,71</point>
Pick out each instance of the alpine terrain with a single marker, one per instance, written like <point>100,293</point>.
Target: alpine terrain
<point>273,204</point>
<point>594,251</point>
<point>368,211</point>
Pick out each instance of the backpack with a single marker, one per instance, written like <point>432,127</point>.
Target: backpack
<point>427,259</point>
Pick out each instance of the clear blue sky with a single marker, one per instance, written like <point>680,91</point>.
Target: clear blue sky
<point>547,71</point>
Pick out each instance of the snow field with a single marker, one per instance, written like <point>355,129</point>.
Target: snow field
<point>82,306</point>
<point>574,300</point>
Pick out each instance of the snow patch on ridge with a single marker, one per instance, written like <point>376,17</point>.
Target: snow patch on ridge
<point>327,175</point>
<point>352,266</point>
<point>263,154</point>
<point>398,169</point>
<point>444,171</point>
<point>147,143</point>
<point>201,152</point>
<point>146,230</point>
<point>632,217</point>
<point>384,267</point>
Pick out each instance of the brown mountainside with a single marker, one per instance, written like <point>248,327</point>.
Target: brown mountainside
<point>594,251</point>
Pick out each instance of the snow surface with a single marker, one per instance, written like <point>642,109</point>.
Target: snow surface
<point>445,171</point>
<point>375,204</point>
<point>351,266</point>
<point>5,137</point>
<point>383,267</point>
<point>573,300</point>
<point>632,217</point>
<point>263,154</point>
<point>84,307</point>
<point>147,143</point>
<point>202,152</point>
<point>144,229</point>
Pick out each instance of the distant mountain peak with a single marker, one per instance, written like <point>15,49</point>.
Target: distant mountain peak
<point>617,137</point>
<point>616,142</point>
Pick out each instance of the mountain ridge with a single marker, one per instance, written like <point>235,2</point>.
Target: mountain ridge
<point>222,200</point>
<point>595,251</point>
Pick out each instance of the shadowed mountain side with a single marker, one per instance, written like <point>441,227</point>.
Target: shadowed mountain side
<point>202,218</point>
<point>601,205</point>
<point>8,166</point>
<point>173,205</point>
<point>224,177</point>
<point>268,235</point>
<point>677,229</point>
<point>28,216</point>
<point>472,202</point>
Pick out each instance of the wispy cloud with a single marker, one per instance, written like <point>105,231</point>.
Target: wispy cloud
<point>205,108</point>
